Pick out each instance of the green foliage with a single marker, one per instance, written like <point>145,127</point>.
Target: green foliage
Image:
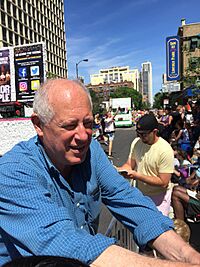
<point>136,97</point>
<point>192,72</point>
<point>158,100</point>
<point>146,105</point>
<point>51,75</point>
<point>96,102</point>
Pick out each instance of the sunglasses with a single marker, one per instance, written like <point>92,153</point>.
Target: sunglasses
<point>143,133</point>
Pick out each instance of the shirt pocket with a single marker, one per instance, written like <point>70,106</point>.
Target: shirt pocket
<point>94,203</point>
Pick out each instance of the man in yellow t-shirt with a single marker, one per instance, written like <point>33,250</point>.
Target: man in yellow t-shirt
<point>151,163</point>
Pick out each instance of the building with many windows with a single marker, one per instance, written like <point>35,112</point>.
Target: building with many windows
<point>116,75</point>
<point>146,77</point>
<point>32,21</point>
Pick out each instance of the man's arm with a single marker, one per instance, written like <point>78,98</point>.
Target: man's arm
<point>172,247</point>
<point>161,180</point>
<point>115,256</point>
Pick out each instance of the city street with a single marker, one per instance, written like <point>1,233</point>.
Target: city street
<point>121,146</point>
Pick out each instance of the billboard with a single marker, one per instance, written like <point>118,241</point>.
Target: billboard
<point>29,64</point>
<point>172,58</point>
<point>5,76</point>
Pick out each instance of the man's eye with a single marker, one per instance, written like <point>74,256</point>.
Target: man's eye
<point>69,126</point>
<point>88,124</point>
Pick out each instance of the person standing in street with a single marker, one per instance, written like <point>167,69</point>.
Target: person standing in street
<point>110,131</point>
<point>151,163</point>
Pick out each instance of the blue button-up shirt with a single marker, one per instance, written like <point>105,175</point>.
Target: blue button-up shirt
<point>41,214</point>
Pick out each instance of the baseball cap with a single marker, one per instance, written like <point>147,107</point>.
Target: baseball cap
<point>147,123</point>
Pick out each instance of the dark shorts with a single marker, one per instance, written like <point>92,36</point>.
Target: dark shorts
<point>193,207</point>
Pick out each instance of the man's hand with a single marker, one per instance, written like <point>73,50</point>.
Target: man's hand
<point>126,172</point>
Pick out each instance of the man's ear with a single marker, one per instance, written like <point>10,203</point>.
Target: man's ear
<point>37,124</point>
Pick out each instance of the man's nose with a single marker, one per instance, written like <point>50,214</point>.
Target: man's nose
<point>81,133</point>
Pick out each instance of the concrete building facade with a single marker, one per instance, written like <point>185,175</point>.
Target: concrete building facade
<point>146,75</point>
<point>104,90</point>
<point>116,75</point>
<point>189,51</point>
<point>32,21</point>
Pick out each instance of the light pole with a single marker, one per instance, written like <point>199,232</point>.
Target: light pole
<point>86,60</point>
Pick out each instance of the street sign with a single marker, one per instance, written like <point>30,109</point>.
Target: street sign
<point>172,58</point>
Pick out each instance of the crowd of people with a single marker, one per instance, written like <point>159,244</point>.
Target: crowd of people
<point>164,160</point>
<point>170,181</point>
<point>53,185</point>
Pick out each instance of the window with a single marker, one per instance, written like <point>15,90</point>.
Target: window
<point>3,19</point>
<point>21,28</point>
<point>20,15</point>
<point>21,40</point>
<point>35,37</point>
<point>194,43</point>
<point>15,26</point>
<point>194,63</point>
<point>4,34</point>
<point>14,12</point>
<point>34,25</point>
<point>29,8</point>
<point>10,37</point>
<point>16,39</point>
<point>30,21</point>
<point>2,4</point>
<point>9,22</point>
<point>19,3</point>
<point>25,19</point>
<point>8,7</point>
<point>31,35</point>
<point>26,31</point>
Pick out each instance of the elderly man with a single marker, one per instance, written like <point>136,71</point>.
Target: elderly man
<point>151,163</point>
<point>52,187</point>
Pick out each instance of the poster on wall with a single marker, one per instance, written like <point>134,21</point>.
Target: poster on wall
<point>5,76</point>
<point>29,70</point>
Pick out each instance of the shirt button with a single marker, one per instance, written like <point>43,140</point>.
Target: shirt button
<point>78,204</point>
<point>82,227</point>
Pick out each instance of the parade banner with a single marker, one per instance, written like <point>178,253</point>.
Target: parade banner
<point>5,85</point>
<point>29,62</point>
<point>172,58</point>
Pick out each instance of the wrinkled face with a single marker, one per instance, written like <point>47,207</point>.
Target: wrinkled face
<point>66,138</point>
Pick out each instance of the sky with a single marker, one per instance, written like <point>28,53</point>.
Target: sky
<point>123,33</point>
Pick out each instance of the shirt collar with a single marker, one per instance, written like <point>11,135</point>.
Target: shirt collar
<point>42,150</point>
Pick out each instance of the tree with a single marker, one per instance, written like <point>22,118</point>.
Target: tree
<point>158,100</point>
<point>96,101</point>
<point>191,74</point>
<point>136,97</point>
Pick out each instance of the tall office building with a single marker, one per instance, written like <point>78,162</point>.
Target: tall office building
<point>147,82</point>
<point>32,21</point>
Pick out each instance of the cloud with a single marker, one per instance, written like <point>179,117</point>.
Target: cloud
<point>103,55</point>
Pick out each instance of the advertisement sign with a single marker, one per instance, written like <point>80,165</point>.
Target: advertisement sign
<point>5,86</point>
<point>29,70</point>
<point>172,58</point>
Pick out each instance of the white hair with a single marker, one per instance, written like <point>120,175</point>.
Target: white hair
<point>41,105</point>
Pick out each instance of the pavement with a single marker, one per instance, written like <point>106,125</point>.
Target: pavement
<point>121,146</point>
